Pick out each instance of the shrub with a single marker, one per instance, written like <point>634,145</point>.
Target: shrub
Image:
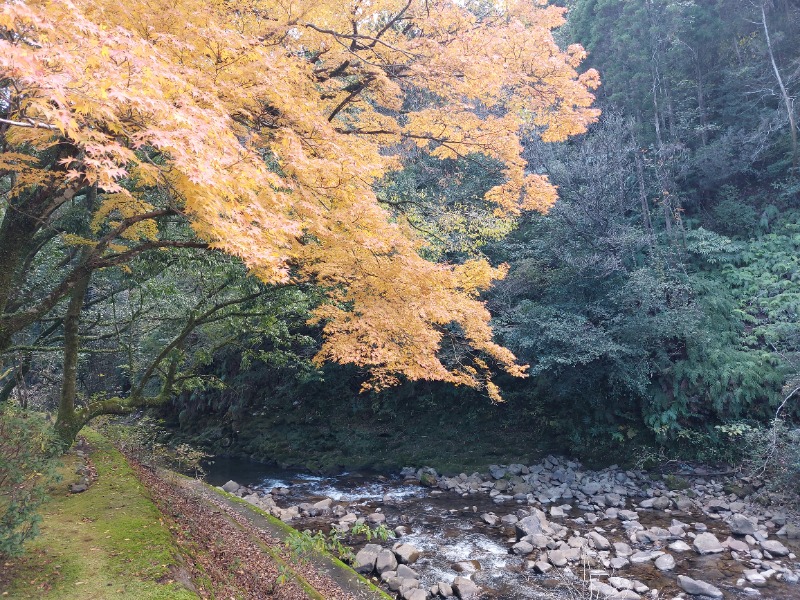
<point>26,469</point>
<point>144,441</point>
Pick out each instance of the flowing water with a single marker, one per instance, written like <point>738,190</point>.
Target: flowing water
<point>449,531</point>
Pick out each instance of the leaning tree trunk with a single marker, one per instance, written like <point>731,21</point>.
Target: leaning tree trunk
<point>787,99</point>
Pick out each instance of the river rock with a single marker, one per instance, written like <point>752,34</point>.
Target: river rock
<point>639,558</point>
<point>394,583</point>
<point>530,525</point>
<point>790,531</point>
<point>591,488</point>
<point>774,547</point>
<point>465,588</point>
<point>628,515</point>
<point>600,543</point>
<point>538,541</point>
<point>697,587</point>
<point>661,503</point>
<point>323,504</point>
<point>522,548</point>
<point>416,594</point>
<point>348,519</point>
<point>406,572</point>
<point>621,583</point>
<point>557,558</point>
<point>406,553</point>
<point>622,549</point>
<point>231,487</point>
<point>618,563</point>
<point>376,518</point>
<point>542,566</point>
<point>509,519</point>
<point>603,589</point>
<point>385,561</point>
<point>445,589</point>
<point>679,546</point>
<point>707,543</point>
<point>497,472</point>
<point>665,563</point>
<point>741,525</point>
<point>366,558</point>
<point>755,577</point>
<point>736,545</point>
<point>625,595</point>
<point>466,566</point>
<point>407,588</point>
<point>490,518</point>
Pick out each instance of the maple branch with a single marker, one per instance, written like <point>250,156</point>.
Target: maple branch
<point>29,123</point>
<point>391,23</point>
<point>355,92</point>
<point>116,259</point>
<point>358,36</point>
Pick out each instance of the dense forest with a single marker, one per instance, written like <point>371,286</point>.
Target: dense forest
<point>656,302</point>
<point>373,234</point>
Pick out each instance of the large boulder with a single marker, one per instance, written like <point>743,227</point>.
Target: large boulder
<point>697,587</point>
<point>231,487</point>
<point>366,558</point>
<point>385,561</point>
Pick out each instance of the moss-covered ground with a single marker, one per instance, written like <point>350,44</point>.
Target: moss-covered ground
<point>107,542</point>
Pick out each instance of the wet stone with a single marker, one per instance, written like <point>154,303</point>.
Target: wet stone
<point>557,558</point>
<point>405,572</point>
<point>707,543</point>
<point>698,588</point>
<point>774,547</point>
<point>741,525</point>
<point>406,553</point>
<point>665,563</point>
<point>465,588</point>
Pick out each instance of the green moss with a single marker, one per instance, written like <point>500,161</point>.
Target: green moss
<point>675,482</point>
<point>106,542</point>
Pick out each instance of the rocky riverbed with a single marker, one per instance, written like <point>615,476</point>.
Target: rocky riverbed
<point>547,530</point>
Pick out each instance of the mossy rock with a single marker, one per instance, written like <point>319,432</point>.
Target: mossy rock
<point>428,480</point>
<point>741,490</point>
<point>675,482</point>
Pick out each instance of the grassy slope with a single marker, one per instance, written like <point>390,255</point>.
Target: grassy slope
<point>108,542</point>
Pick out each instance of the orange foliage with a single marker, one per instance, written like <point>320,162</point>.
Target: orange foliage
<point>269,122</point>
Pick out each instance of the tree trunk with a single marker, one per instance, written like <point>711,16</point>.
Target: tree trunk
<point>787,100</point>
<point>68,421</point>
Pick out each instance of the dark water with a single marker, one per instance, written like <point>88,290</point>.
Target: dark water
<point>448,529</point>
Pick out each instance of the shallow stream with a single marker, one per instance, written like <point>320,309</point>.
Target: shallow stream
<point>449,530</point>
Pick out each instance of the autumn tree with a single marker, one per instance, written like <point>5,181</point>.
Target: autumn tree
<point>266,125</point>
